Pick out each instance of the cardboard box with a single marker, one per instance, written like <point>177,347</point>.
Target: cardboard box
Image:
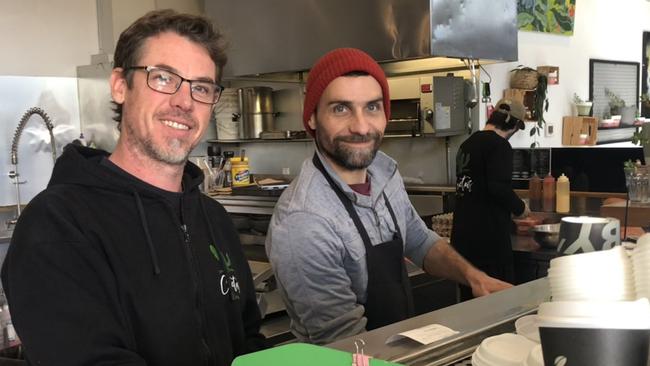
<point>579,131</point>
<point>552,73</point>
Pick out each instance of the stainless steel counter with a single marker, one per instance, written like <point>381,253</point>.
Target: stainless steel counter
<point>427,200</point>
<point>5,236</point>
<point>259,205</point>
<point>474,320</point>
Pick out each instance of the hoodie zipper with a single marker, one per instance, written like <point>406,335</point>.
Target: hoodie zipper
<point>197,286</point>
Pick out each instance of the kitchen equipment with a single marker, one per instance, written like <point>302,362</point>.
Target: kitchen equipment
<point>13,174</point>
<point>427,105</point>
<point>580,234</point>
<point>392,30</point>
<point>227,115</point>
<point>535,192</point>
<point>548,193</point>
<point>275,135</point>
<point>547,235</point>
<point>563,194</point>
<point>256,107</point>
<point>227,169</point>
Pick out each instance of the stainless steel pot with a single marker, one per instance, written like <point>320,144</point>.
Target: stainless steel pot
<point>547,235</point>
<point>256,107</point>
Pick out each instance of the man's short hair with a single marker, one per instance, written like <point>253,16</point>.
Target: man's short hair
<point>198,29</point>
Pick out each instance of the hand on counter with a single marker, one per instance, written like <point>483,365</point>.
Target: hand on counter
<point>442,260</point>
<point>483,284</point>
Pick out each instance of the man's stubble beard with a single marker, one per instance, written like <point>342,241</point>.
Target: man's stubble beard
<point>172,154</point>
<point>346,157</point>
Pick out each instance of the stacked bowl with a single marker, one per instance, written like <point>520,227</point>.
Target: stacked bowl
<point>595,276</point>
<point>593,318</point>
<point>641,266</point>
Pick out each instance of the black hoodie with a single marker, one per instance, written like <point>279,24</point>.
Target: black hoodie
<point>103,270</point>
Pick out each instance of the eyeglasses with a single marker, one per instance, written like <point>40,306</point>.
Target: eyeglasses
<point>167,82</point>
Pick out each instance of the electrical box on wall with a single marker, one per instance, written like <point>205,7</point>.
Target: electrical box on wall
<point>443,106</point>
<point>549,130</point>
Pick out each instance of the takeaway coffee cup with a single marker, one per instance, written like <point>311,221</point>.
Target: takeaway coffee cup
<point>595,333</point>
<point>581,234</point>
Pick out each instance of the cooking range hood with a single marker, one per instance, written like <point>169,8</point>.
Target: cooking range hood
<point>290,35</point>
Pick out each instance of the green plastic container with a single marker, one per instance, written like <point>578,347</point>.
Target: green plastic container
<point>301,354</point>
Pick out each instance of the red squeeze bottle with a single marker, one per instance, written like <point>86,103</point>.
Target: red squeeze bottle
<point>548,201</point>
<point>535,193</point>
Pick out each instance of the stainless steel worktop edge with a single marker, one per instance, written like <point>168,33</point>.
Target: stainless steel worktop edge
<point>466,318</point>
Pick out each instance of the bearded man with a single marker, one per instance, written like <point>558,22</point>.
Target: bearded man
<point>340,232</point>
<point>122,260</point>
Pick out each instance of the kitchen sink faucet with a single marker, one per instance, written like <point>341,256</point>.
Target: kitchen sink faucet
<point>13,175</point>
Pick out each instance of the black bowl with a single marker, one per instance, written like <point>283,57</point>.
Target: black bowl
<point>547,235</point>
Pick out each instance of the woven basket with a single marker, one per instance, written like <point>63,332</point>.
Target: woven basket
<point>524,79</point>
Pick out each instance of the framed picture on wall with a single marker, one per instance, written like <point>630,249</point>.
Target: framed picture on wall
<point>550,16</point>
<point>614,89</point>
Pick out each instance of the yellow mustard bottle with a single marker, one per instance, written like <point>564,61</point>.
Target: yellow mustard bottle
<point>563,196</point>
<point>241,175</point>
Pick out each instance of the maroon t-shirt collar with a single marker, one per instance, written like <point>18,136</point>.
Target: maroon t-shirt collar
<point>362,188</point>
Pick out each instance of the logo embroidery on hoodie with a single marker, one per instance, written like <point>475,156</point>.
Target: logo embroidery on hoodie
<point>228,283</point>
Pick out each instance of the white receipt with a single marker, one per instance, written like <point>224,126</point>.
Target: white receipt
<point>425,335</point>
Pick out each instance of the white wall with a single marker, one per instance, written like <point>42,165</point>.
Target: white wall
<point>46,38</point>
<point>604,29</point>
<point>42,43</point>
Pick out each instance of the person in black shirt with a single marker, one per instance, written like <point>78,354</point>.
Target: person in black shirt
<point>485,200</point>
<point>122,260</point>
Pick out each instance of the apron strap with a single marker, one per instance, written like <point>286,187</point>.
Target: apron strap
<point>346,202</point>
<point>392,215</point>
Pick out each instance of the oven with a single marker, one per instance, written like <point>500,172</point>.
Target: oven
<point>428,105</point>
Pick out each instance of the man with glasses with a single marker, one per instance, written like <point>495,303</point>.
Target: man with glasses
<point>121,260</point>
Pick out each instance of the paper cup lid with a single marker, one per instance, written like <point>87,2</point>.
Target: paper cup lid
<point>527,326</point>
<point>535,357</point>
<point>505,349</point>
<point>595,314</point>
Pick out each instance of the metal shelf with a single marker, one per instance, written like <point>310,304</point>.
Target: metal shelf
<point>247,141</point>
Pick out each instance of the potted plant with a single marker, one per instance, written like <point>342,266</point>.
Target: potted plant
<point>583,107</point>
<point>540,106</point>
<point>616,104</point>
<point>524,77</point>
<point>645,105</point>
<point>642,137</point>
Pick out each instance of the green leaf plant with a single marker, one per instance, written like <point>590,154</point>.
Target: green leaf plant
<point>541,106</point>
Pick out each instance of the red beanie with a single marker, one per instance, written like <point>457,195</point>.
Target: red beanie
<point>338,63</point>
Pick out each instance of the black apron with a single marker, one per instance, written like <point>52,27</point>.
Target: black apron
<point>388,295</point>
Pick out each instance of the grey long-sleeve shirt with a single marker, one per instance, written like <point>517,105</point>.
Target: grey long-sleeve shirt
<point>318,256</point>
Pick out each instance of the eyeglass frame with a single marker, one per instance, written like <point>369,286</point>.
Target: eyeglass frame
<point>148,69</point>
